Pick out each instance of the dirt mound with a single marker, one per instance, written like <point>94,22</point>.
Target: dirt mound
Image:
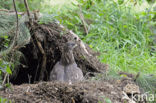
<point>56,92</point>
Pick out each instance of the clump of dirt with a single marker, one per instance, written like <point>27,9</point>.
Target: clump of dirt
<point>56,92</point>
<point>87,91</point>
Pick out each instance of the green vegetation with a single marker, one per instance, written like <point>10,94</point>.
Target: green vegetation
<point>4,100</point>
<point>123,31</point>
<point>120,31</point>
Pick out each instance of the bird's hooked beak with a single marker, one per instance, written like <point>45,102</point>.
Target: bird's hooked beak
<point>71,44</point>
<point>74,45</point>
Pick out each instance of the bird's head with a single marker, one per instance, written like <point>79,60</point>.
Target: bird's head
<point>70,45</point>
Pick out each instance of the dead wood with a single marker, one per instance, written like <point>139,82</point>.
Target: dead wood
<point>43,64</point>
<point>83,20</point>
<point>44,49</point>
<point>52,37</point>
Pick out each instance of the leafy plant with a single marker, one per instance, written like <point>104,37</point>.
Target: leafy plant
<point>5,67</point>
<point>4,100</point>
<point>108,100</point>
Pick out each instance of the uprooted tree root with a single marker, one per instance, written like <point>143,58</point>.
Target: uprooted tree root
<point>52,38</point>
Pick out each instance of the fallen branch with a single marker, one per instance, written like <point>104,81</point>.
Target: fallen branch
<point>5,10</point>
<point>39,45</point>
<point>83,21</point>
<point>17,26</point>
<point>4,80</point>
<point>28,13</point>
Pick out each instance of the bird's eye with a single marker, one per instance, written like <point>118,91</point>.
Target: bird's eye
<point>75,38</point>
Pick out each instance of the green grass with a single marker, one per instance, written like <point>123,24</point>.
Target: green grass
<point>118,32</point>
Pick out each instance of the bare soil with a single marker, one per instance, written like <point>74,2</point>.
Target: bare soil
<point>56,92</point>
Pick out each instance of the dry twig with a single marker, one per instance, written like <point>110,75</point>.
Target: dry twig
<point>17,25</point>
<point>44,58</point>
<point>83,21</point>
<point>4,80</point>
<point>28,11</point>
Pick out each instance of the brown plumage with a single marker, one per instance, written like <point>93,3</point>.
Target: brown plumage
<point>66,69</point>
